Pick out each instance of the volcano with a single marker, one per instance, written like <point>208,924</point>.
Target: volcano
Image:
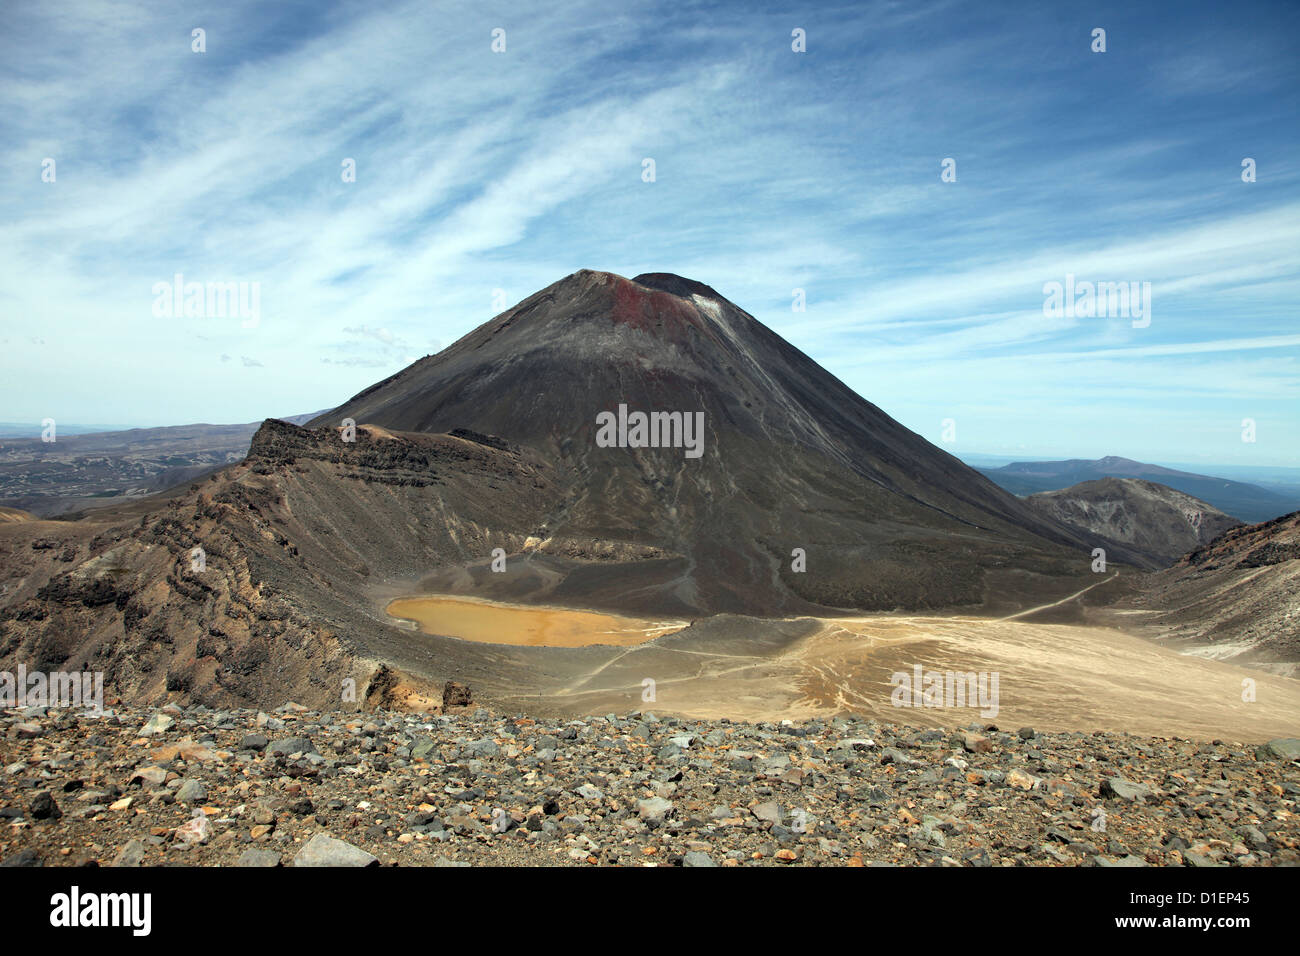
<point>800,495</point>
<point>639,446</point>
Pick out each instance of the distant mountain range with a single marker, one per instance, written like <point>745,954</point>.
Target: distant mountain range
<point>34,429</point>
<point>1239,499</point>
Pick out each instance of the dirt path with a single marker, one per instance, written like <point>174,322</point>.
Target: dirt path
<point>1064,600</point>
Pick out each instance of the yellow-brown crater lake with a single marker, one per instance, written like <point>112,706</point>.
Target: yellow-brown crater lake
<point>491,623</point>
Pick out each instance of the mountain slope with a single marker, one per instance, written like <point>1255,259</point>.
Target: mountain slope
<point>1236,598</point>
<point>1160,523</point>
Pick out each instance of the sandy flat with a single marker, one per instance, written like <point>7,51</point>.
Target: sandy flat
<point>1057,677</point>
<point>1049,676</point>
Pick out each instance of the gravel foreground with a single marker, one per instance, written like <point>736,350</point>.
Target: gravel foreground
<point>202,787</point>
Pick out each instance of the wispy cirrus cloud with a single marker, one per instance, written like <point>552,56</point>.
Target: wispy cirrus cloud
<point>481,175</point>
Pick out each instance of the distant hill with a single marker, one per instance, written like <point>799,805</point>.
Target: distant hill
<point>1156,521</point>
<point>1239,499</point>
<point>91,470</point>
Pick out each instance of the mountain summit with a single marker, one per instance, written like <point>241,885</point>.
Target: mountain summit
<point>792,462</point>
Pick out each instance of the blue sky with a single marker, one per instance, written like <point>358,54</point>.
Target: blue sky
<point>775,170</point>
